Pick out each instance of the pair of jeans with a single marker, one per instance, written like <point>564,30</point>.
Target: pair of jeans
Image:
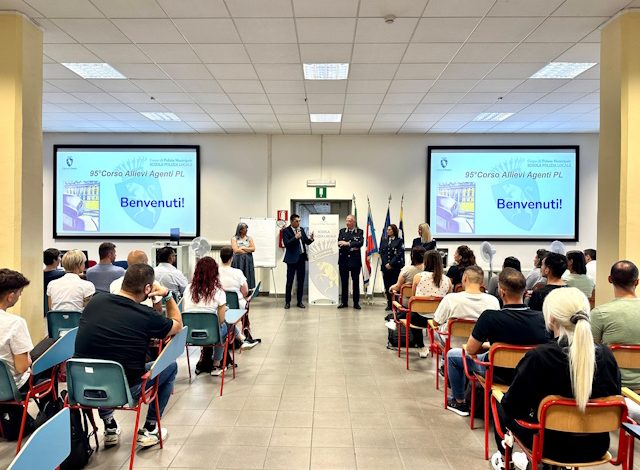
<point>455,371</point>
<point>165,387</point>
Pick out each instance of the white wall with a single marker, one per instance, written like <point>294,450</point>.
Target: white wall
<point>235,179</point>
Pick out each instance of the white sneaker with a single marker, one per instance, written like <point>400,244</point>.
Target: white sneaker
<point>248,344</point>
<point>148,438</point>
<point>217,371</point>
<point>112,436</point>
<point>391,325</point>
<point>520,460</point>
<point>497,461</point>
<point>423,352</point>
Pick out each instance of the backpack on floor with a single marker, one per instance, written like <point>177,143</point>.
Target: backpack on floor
<point>81,449</point>
<point>400,332</point>
<point>10,420</point>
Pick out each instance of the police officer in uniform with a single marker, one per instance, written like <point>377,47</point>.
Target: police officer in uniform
<point>392,257</point>
<point>350,240</point>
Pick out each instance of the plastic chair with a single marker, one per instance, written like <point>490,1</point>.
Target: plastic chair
<point>627,355</point>
<point>122,263</point>
<point>456,328</point>
<point>417,304</point>
<point>204,330</point>
<point>48,446</point>
<point>60,321</point>
<point>557,413</point>
<point>58,353</point>
<point>505,356</point>
<point>97,383</point>
<point>232,299</point>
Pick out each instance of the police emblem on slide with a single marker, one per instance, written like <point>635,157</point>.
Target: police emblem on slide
<point>139,188</point>
<point>444,162</point>
<point>516,189</point>
<point>69,161</point>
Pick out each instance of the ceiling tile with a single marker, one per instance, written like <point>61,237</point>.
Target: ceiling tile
<point>496,85</point>
<point>290,108</point>
<point>483,52</point>
<point>293,118</point>
<point>432,108</point>
<point>150,30</point>
<point>397,108</point>
<point>221,53</point>
<point>581,52</point>
<point>241,86</point>
<point>128,9</point>
<point>169,97</point>
<point>445,98</point>
<point>151,86</point>
<point>375,30</point>
<point>286,98</point>
<point>96,98</point>
<point>283,86</point>
<point>378,53</point>
<point>249,98</point>
<point>400,8</point>
<point>524,8</point>
<point>140,71</point>
<point>325,30</point>
<point>590,8</point>
<point>465,108</point>
<point>194,8</point>
<point>480,97</point>
<point>210,98</point>
<point>52,71</point>
<point>77,85</point>
<point>410,86</point>
<point>522,98</point>
<point>444,29</point>
<point>266,30</point>
<point>256,112</point>
<point>260,8</point>
<point>365,71</point>
<point>430,52</point>
<point>52,33</point>
<point>360,108</point>
<point>364,98</point>
<point>419,71</point>
<point>325,53</point>
<point>133,98</point>
<point>462,71</point>
<point>187,71</point>
<point>557,97</point>
<point>279,71</point>
<point>113,53</point>
<point>392,118</point>
<point>220,108</point>
<point>504,29</point>
<point>539,108</point>
<point>79,108</point>
<point>330,8</point>
<point>515,70</point>
<point>199,86</point>
<point>565,29</point>
<point>183,107</point>
<point>208,30</point>
<point>69,53</point>
<point>326,86</point>
<point>539,85</point>
<point>273,53</point>
<point>453,85</point>
<point>66,9</point>
<point>448,8</point>
<point>579,86</point>
<point>403,98</point>
<point>368,86</point>
<point>233,71</point>
<point>116,86</point>
<point>537,52</point>
<point>325,98</point>
<point>170,53</point>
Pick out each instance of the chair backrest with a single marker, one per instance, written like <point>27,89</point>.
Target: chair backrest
<point>59,321</point>
<point>507,356</point>
<point>460,327</point>
<point>122,263</point>
<point>171,352</point>
<point>8,389</point>
<point>627,355</point>
<point>424,304</point>
<point>602,414</point>
<point>48,446</point>
<point>97,383</point>
<point>232,299</point>
<point>406,290</point>
<point>203,328</point>
<point>62,350</point>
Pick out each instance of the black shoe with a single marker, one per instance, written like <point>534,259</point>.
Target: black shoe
<point>300,305</point>
<point>343,306</point>
<point>356,306</point>
<point>287,306</point>
<point>461,409</point>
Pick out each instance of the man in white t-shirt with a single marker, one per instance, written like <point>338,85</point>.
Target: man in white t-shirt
<point>468,304</point>
<point>233,279</point>
<point>136,257</point>
<point>590,258</point>
<point>167,274</point>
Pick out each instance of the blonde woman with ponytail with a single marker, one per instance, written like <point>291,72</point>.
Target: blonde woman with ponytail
<point>570,366</point>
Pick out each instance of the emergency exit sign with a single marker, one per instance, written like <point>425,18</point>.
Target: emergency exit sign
<point>321,192</point>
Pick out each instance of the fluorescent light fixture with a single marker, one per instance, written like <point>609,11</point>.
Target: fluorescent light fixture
<point>563,69</point>
<point>321,183</point>
<point>486,117</point>
<point>161,116</point>
<point>94,70</point>
<point>326,71</point>
<point>325,117</point>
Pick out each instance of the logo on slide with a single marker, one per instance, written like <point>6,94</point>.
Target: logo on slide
<point>69,161</point>
<point>517,189</point>
<point>444,162</point>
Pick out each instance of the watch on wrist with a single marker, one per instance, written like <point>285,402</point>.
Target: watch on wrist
<point>167,297</point>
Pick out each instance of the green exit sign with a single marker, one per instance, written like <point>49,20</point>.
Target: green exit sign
<point>321,192</point>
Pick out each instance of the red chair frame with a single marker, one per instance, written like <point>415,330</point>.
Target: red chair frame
<point>487,383</point>
<point>417,304</point>
<point>625,442</point>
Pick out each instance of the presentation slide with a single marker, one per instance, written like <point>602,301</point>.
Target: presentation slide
<point>502,193</point>
<point>126,191</point>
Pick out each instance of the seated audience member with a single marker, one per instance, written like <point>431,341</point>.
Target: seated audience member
<point>468,304</point>
<point>515,323</point>
<point>409,272</point>
<point>463,257</point>
<point>590,258</point>
<point>167,274</point>
<point>618,321</point>
<point>535,276</point>
<point>577,273</point>
<point>509,262</point>
<point>105,272</point>
<point>569,366</point>
<point>137,257</point>
<point>70,292</point>
<point>51,258</point>
<point>205,294</point>
<point>233,280</point>
<point>424,239</point>
<point>118,327</point>
<point>553,267</point>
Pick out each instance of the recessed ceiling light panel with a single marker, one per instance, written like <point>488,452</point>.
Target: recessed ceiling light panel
<point>487,117</point>
<point>161,116</point>
<point>325,117</point>
<point>326,71</point>
<point>94,70</point>
<point>563,69</point>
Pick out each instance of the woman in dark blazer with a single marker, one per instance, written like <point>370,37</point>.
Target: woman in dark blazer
<point>425,239</point>
<point>392,257</point>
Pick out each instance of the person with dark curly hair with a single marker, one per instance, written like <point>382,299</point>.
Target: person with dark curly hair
<point>464,258</point>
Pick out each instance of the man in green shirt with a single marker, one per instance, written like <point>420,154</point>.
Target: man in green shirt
<point>618,321</point>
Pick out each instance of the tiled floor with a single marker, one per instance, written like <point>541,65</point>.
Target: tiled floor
<point>320,392</point>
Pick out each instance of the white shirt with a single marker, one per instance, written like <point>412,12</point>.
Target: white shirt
<point>232,280</point>
<point>591,270</point>
<point>116,285</point>
<point>14,340</point>
<point>219,298</point>
<point>427,288</point>
<point>68,292</point>
<point>169,276</point>
<point>463,305</point>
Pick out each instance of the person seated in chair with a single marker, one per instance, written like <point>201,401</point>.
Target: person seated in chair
<point>70,292</point>
<point>117,327</point>
<point>167,273</point>
<point>137,257</point>
<point>103,273</point>
<point>515,324</point>
<point>409,272</point>
<point>553,267</point>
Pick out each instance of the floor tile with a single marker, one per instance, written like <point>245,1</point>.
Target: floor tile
<point>331,437</point>
<point>327,458</point>
<point>291,437</point>
<point>288,458</point>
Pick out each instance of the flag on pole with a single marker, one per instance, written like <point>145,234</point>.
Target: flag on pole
<point>401,224</point>
<point>372,246</point>
<point>355,209</point>
<point>387,221</point>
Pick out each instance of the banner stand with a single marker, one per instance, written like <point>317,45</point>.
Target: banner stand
<point>324,277</point>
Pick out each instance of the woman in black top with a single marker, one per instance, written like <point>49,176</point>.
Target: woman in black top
<point>571,366</point>
<point>464,258</point>
<point>392,257</point>
<point>424,240</point>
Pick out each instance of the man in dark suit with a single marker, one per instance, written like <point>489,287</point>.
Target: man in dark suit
<point>295,255</point>
<point>350,240</point>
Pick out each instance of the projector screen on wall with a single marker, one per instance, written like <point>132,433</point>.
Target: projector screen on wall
<point>503,193</point>
<point>126,191</point>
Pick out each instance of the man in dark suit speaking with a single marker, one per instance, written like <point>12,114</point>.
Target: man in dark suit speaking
<point>295,255</point>
<point>350,240</point>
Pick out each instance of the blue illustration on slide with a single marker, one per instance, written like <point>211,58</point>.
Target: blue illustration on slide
<point>142,188</point>
<point>517,189</point>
